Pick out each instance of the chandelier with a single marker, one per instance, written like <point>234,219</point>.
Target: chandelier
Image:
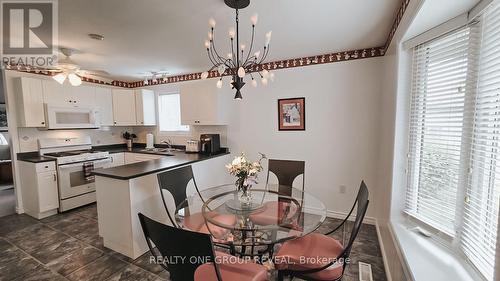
<point>240,61</point>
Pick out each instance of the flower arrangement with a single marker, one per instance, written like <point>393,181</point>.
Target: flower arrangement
<point>245,172</point>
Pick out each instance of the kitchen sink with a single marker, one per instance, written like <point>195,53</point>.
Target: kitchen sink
<point>156,150</point>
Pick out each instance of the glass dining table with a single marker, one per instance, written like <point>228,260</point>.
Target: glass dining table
<point>276,214</point>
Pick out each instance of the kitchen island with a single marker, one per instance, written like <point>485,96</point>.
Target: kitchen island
<point>125,191</point>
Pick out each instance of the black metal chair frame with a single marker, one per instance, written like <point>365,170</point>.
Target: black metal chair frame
<point>176,242</point>
<point>180,177</point>
<point>362,202</point>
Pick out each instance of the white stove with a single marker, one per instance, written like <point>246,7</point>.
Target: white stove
<point>75,161</point>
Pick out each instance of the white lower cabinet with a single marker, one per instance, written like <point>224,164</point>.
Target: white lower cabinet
<point>39,188</point>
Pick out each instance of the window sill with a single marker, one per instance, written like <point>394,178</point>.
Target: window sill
<point>427,260</point>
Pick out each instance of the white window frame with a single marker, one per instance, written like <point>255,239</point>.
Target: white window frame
<point>168,133</point>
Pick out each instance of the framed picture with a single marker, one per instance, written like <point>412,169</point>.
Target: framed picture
<point>3,117</point>
<point>292,114</point>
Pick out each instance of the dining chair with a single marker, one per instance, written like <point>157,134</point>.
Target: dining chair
<point>274,211</point>
<point>176,182</point>
<point>318,256</point>
<point>190,256</point>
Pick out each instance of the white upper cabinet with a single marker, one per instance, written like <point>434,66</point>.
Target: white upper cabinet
<point>30,102</point>
<point>145,107</point>
<point>202,103</point>
<point>104,105</point>
<point>67,95</point>
<point>124,107</point>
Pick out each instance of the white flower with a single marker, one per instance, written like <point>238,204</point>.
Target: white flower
<point>236,161</point>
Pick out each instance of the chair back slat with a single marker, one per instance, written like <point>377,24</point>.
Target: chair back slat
<point>286,171</point>
<point>176,182</point>
<point>362,205</point>
<point>182,250</point>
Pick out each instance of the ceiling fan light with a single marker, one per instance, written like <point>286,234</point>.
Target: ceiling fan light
<point>241,72</point>
<point>74,79</point>
<point>204,75</point>
<point>60,78</point>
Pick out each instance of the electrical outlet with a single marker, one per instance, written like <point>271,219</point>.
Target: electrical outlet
<point>342,189</point>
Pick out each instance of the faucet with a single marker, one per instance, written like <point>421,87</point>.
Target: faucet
<point>168,142</point>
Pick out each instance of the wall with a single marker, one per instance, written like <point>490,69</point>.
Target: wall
<point>342,127</point>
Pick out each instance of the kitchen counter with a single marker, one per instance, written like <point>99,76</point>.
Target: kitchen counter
<point>135,170</point>
<point>33,157</point>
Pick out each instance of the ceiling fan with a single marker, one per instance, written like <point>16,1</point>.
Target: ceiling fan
<point>67,68</point>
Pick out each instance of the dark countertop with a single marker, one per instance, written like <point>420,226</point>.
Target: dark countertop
<point>137,148</point>
<point>33,157</point>
<point>140,169</point>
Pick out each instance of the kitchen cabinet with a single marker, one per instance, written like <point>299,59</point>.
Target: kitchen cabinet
<point>67,95</point>
<point>131,158</point>
<point>124,107</point>
<point>117,159</point>
<point>203,104</point>
<point>39,188</point>
<point>145,108</point>
<point>30,101</point>
<point>104,105</point>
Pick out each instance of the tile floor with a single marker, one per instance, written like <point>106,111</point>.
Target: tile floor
<point>67,247</point>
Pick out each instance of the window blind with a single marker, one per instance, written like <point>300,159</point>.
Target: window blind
<point>479,231</point>
<point>437,117</point>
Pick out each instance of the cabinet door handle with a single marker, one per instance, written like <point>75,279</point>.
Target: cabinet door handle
<point>43,123</point>
<point>55,178</point>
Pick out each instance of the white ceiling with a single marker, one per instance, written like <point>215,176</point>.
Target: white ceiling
<point>436,12</point>
<point>154,35</point>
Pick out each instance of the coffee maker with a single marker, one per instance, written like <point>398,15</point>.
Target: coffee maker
<point>210,143</point>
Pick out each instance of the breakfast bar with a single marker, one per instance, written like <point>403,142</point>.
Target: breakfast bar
<point>125,191</point>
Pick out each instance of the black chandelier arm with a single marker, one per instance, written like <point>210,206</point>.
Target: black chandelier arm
<point>214,53</point>
<point>210,57</point>
<point>251,44</point>
<point>264,56</point>
<point>220,59</point>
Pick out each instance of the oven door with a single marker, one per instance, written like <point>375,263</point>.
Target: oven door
<point>72,180</point>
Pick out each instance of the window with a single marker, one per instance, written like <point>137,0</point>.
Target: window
<point>453,179</point>
<point>169,113</point>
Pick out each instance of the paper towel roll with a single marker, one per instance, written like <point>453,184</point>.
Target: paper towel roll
<point>149,141</point>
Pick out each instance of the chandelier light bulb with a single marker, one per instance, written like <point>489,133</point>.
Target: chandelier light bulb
<point>219,84</point>
<point>271,76</point>
<point>254,19</point>
<point>232,33</point>
<point>229,55</point>
<point>211,22</point>
<point>74,79</point>
<point>268,37</point>
<point>257,54</point>
<point>264,81</point>
<point>210,35</point>
<point>241,72</point>
<point>207,44</point>
<point>265,73</point>
<point>60,78</point>
<point>204,75</point>
<point>243,46</point>
<point>254,83</point>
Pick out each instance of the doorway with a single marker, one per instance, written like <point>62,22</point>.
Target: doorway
<point>7,195</point>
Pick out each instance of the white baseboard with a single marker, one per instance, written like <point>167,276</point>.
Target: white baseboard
<point>342,215</point>
<point>384,254</point>
<point>19,210</point>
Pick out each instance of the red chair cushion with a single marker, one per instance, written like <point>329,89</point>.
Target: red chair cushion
<point>196,222</point>
<point>309,252</point>
<point>273,213</point>
<point>231,268</point>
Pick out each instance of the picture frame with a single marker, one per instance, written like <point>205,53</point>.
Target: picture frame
<point>292,114</point>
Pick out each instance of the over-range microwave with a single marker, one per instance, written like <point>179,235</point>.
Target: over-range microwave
<point>63,117</point>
